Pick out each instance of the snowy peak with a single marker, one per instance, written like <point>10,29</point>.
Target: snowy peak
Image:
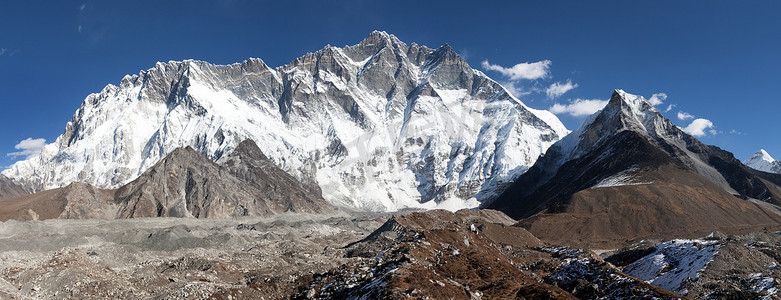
<point>625,144</point>
<point>763,156</point>
<point>380,125</point>
<point>635,113</point>
<point>764,162</point>
<point>624,112</point>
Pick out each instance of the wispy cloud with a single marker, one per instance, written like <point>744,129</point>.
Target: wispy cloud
<point>657,99</point>
<point>669,108</point>
<point>557,89</point>
<point>683,116</point>
<point>579,107</point>
<point>733,131</point>
<point>526,70</point>
<point>698,126</point>
<point>28,147</point>
<point>3,51</point>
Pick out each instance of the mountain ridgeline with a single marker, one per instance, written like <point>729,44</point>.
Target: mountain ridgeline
<point>380,125</point>
<point>183,184</point>
<point>627,173</point>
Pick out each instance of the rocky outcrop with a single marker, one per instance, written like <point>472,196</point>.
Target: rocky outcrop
<point>187,184</point>
<point>470,254</point>
<point>270,183</point>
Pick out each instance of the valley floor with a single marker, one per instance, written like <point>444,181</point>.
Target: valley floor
<point>173,258</point>
<point>471,254</point>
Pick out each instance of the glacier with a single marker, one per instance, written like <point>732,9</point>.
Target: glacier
<point>380,125</point>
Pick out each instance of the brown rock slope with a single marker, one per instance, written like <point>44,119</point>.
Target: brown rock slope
<point>9,189</point>
<point>187,184</point>
<point>184,184</point>
<point>248,163</point>
<point>680,205</point>
<point>75,201</point>
<point>471,254</point>
<point>630,173</point>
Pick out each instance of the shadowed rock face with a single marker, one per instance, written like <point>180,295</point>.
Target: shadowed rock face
<point>187,184</point>
<point>10,189</point>
<point>272,184</point>
<point>629,173</point>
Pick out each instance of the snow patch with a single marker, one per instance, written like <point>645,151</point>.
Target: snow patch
<point>674,263</point>
<point>620,179</point>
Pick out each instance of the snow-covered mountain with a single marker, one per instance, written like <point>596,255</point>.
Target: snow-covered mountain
<point>629,172</point>
<point>764,162</point>
<point>380,125</point>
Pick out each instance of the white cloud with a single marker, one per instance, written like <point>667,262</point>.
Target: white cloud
<point>3,51</point>
<point>83,6</point>
<point>657,98</point>
<point>684,116</point>
<point>29,147</point>
<point>516,91</point>
<point>79,28</point>
<point>698,127</point>
<point>529,71</point>
<point>579,107</point>
<point>557,89</point>
<point>669,108</point>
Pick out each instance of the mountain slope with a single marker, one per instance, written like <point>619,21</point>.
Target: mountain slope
<point>270,183</point>
<point>379,125</point>
<point>187,184</point>
<point>9,189</point>
<point>628,172</point>
<point>764,162</point>
<point>75,201</point>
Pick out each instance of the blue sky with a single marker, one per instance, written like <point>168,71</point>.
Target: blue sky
<point>719,61</point>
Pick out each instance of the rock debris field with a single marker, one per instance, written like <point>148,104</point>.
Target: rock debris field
<point>173,258</point>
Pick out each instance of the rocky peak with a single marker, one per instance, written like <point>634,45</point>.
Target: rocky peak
<point>248,148</point>
<point>378,39</point>
<point>445,54</point>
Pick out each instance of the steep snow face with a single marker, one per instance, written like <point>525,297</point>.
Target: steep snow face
<point>764,162</point>
<point>380,125</point>
<point>674,263</point>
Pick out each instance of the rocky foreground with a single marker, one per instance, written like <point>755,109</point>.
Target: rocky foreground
<point>471,254</point>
